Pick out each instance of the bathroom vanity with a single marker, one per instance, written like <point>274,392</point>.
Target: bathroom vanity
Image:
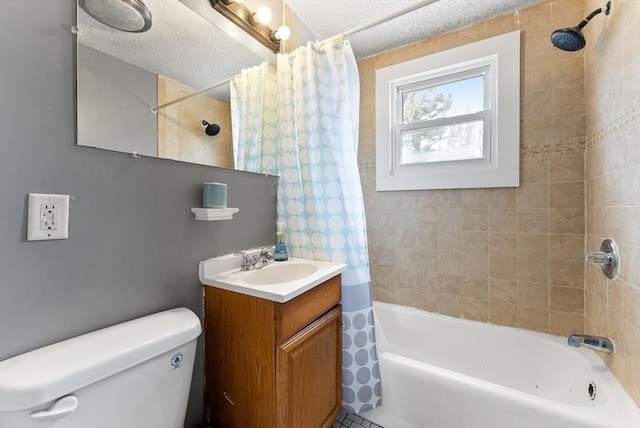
<point>271,363</point>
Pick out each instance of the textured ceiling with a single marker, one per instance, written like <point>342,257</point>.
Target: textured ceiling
<point>191,43</point>
<point>327,18</point>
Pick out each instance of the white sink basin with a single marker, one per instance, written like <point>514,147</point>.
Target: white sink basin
<point>277,281</point>
<point>276,273</point>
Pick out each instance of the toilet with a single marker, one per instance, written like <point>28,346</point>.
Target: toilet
<point>134,374</point>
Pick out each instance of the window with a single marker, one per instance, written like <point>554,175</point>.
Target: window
<point>447,121</point>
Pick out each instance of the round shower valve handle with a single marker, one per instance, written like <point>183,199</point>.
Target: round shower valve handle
<point>608,258</point>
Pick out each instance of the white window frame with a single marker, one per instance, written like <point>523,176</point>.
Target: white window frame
<point>499,58</point>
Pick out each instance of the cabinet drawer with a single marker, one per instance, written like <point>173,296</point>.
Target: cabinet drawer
<point>297,313</point>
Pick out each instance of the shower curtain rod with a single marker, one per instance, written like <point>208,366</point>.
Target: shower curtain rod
<point>155,109</point>
<point>347,33</point>
<point>384,19</point>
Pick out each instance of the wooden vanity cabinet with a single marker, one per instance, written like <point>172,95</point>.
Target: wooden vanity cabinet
<point>270,364</point>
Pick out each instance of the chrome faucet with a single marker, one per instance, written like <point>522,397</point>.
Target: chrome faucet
<point>597,343</point>
<point>255,261</point>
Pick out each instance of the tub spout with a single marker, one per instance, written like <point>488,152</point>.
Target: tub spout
<point>597,343</point>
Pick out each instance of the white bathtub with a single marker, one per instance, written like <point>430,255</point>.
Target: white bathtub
<point>444,372</point>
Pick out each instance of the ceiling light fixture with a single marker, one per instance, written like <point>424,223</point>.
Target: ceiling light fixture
<point>255,24</point>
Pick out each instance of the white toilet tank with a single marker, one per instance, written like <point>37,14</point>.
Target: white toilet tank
<point>131,375</point>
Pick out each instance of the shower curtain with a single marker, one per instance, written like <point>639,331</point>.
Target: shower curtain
<point>253,118</point>
<point>319,192</point>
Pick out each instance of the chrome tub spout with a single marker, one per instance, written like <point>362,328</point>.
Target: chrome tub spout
<point>597,343</point>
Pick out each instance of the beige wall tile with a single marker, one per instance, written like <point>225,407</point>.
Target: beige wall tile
<point>503,314</point>
<point>427,241</point>
<point>476,310</point>
<point>475,198</point>
<point>503,267</point>
<point>566,195</point>
<point>533,220</point>
<point>534,130</point>
<point>567,299</point>
<point>533,295</point>
<point>503,291</point>
<point>450,263</point>
<point>534,170</point>
<point>450,219</point>
<point>562,323</point>
<point>475,219</point>
<point>532,270</point>
<point>570,168</point>
<point>533,319</point>
<point>450,241</point>
<point>566,273</point>
<point>503,220</point>
<point>568,71</point>
<point>502,198</point>
<point>533,195</point>
<point>475,242</point>
<point>475,287</point>
<point>473,34</point>
<point>476,264</point>
<point>502,243</point>
<point>533,246</point>
<point>427,218</point>
<point>566,220</point>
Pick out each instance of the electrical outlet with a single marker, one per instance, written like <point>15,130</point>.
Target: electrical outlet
<point>48,217</point>
<point>49,213</point>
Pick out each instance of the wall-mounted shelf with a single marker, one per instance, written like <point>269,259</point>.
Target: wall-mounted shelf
<point>210,214</point>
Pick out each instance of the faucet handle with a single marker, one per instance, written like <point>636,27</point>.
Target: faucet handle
<point>599,257</point>
<point>266,252</point>
<point>246,261</point>
<point>244,255</point>
<point>608,258</point>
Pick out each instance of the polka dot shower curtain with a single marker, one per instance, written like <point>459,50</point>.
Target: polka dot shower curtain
<point>253,118</point>
<point>320,195</point>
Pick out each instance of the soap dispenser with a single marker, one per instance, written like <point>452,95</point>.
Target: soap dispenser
<point>280,253</point>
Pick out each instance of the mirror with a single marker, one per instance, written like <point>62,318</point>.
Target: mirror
<point>122,75</point>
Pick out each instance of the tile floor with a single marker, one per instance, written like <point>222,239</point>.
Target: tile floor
<point>351,420</point>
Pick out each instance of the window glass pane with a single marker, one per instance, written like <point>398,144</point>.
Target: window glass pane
<point>459,141</point>
<point>449,99</point>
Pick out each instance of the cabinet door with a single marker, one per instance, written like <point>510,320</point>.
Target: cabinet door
<point>309,374</point>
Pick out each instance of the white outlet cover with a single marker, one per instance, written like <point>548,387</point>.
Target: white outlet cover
<point>56,223</point>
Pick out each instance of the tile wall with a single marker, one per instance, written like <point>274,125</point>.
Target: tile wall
<point>181,134</point>
<point>510,256</point>
<point>613,181</point>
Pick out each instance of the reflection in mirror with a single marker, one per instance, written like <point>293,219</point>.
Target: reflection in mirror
<point>121,75</point>
<point>181,134</point>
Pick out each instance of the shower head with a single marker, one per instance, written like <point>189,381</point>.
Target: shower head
<point>125,15</point>
<point>211,129</point>
<point>568,39</point>
<point>571,39</point>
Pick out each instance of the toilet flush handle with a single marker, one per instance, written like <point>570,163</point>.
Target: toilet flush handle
<point>59,409</point>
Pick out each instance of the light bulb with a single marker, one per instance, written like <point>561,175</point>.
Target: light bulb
<point>283,33</point>
<point>263,15</point>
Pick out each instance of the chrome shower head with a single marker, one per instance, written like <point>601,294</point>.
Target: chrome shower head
<point>571,39</point>
<point>125,15</point>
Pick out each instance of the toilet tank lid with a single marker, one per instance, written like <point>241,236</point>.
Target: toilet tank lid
<point>42,375</point>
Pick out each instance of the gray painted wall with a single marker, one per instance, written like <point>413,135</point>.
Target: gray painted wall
<point>113,100</point>
<point>133,246</point>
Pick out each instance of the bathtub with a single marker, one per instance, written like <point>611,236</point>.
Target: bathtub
<point>439,371</point>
